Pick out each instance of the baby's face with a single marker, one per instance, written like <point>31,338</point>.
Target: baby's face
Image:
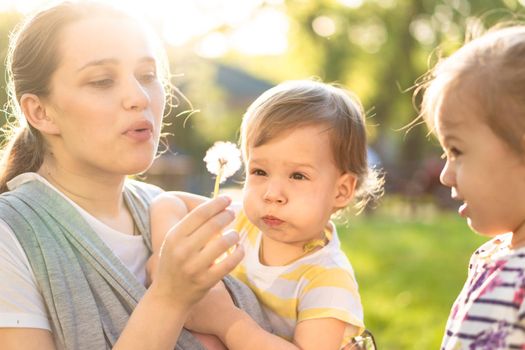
<point>293,185</point>
<point>481,169</point>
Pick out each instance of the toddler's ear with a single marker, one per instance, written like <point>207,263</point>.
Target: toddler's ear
<point>345,190</point>
<point>36,114</point>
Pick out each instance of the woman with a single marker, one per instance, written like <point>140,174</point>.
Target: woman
<point>89,84</point>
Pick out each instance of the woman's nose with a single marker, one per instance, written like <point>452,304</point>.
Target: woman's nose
<point>135,95</point>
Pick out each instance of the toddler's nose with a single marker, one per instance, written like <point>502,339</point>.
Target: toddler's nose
<point>274,194</point>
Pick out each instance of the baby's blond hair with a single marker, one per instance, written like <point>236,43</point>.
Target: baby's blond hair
<point>490,70</point>
<point>300,103</point>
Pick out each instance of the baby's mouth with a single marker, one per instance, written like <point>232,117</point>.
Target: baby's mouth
<point>272,221</point>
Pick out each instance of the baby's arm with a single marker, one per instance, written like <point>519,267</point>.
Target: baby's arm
<point>322,333</point>
<point>216,314</point>
<point>166,210</point>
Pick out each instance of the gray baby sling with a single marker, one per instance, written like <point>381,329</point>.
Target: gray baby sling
<point>89,294</point>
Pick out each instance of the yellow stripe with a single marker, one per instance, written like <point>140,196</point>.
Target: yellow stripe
<point>285,308</point>
<point>320,276</point>
<point>240,273</point>
<point>244,226</point>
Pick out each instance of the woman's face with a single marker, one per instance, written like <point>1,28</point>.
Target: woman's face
<point>106,99</point>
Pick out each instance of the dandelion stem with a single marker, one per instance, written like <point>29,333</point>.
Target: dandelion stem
<point>218,181</point>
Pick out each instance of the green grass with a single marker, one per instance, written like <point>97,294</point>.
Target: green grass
<point>410,268</point>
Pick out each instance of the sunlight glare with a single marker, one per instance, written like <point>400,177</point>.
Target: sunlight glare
<point>254,27</point>
<point>213,45</point>
<point>184,21</point>
<point>229,12</point>
<point>25,6</point>
<point>265,34</point>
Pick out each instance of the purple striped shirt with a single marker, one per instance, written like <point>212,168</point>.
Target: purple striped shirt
<point>489,313</point>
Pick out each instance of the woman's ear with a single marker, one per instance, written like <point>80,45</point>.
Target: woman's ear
<point>345,190</point>
<point>36,114</point>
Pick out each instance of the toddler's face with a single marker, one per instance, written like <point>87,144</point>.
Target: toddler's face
<point>293,185</point>
<point>481,169</point>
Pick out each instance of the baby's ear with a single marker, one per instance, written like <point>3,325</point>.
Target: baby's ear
<point>345,190</point>
<point>36,113</point>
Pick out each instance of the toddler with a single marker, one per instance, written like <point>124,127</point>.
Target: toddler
<point>304,151</point>
<point>475,105</point>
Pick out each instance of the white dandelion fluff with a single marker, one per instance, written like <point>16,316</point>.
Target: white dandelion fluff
<point>223,159</point>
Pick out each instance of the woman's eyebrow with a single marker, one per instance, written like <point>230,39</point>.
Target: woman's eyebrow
<point>113,61</point>
<point>101,62</point>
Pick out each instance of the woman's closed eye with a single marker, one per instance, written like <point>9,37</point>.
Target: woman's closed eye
<point>298,176</point>
<point>146,78</point>
<point>101,83</point>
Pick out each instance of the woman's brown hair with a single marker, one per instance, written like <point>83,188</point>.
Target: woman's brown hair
<point>32,58</point>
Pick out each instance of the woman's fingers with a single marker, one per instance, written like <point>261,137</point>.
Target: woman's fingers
<point>200,225</point>
<point>205,265</point>
<point>220,269</point>
<point>191,247</point>
<point>216,249</point>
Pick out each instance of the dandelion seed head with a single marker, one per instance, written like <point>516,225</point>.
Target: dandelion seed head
<point>223,155</point>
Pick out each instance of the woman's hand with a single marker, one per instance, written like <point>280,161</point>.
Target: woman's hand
<point>187,268</point>
<point>186,271</point>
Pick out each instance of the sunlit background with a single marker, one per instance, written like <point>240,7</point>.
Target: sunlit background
<point>410,253</point>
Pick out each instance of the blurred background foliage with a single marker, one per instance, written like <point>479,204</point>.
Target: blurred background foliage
<point>410,256</point>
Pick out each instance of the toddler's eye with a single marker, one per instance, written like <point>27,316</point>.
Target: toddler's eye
<point>451,154</point>
<point>455,152</point>
<point>258,172</point>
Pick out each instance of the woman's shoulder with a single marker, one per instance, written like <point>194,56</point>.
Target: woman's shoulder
<point>143,189</point>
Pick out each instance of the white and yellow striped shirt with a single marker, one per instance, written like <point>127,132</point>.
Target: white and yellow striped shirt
<point>318,285</point>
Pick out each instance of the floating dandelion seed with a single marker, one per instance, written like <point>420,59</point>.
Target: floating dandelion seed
<point>223,159</point>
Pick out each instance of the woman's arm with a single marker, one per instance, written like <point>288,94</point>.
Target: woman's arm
<point>185,273</point>
<point>26,339</point>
